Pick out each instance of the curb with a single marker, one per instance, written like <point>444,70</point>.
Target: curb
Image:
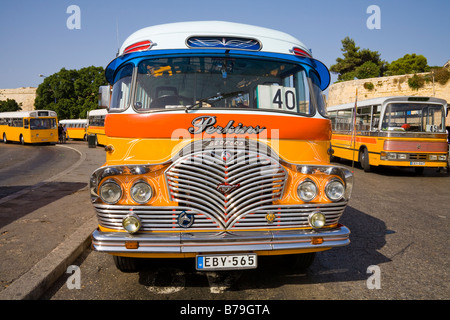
<point>41,276</point>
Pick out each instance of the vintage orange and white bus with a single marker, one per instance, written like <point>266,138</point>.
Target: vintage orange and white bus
<point>391,131</point>
<point>76,128</point>
<point>96,125</point>
<point>37,126</point>
<point>218,150</point>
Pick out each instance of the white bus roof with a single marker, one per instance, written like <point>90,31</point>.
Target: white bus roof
<point>219,36</point>
<point>25,114</point>
<point>383,100</point>
<point>174,35</point>
<point>97,112</point>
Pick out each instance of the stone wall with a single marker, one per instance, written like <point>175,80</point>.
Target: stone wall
<point>345,92</point>
<point>26,96</point>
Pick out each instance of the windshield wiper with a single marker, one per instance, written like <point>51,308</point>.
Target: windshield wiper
<point>215,98</point>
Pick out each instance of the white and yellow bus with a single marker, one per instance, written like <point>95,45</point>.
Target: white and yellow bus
<point>391,131</point>
<point>75,128</point>
<point>96,125</point>
<point>37,126</point>
<point>217,149</point>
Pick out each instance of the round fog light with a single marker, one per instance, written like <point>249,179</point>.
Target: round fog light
<point>131,223</point>
<point>317,219</point>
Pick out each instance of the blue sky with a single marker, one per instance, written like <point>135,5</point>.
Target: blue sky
<point>34,38</point>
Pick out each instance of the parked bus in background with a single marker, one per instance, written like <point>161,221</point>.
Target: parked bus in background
<point>37,126</point>
<point>218,150</point>
<point>75,128</point>
<point>391,131</point>
<point>96,125</point>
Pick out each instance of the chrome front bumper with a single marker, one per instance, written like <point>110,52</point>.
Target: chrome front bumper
<point>241,241</point>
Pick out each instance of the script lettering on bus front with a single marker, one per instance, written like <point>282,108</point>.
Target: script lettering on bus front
<point>207,124</point>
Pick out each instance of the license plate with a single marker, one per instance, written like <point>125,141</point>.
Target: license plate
<point>416,163</point>
<point>44,140</point>
<point>226,262</point>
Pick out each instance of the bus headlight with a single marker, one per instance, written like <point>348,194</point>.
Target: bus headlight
<point>141,192</point>
<point>110,192</point>
<point>391,156</point>
<point>307,190</point>
<point>131,223</point>
<point>335,190</point>
<point>442,158</point>
<point>433,157</point>
<point>316,219</point>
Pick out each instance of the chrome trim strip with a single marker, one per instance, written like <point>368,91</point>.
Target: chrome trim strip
<point>219,242</point>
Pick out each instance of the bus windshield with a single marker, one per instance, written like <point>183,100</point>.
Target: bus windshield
<point>414,117</point>
<point>45,123</point>
<point>220,82</point>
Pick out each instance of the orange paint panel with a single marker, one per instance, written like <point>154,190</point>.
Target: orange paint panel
<point>190,125</point>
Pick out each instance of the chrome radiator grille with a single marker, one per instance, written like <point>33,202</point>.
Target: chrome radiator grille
<point>218,190</point>
<point>225,185</point>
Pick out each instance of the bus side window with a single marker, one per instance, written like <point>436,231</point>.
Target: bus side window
<point>344,120</point>
<point>332,115</point>
<point>25,123</point>
<point>363,119</point>
<point>376,111</point>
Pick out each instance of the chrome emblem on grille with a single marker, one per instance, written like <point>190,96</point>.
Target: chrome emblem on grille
<point>270,217</point>
<point>226,156</point>
<point>185,220</point>
<point>225,188</point>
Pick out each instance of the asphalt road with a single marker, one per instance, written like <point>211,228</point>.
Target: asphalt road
<point>399,250</point>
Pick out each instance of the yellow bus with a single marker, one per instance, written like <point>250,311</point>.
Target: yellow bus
<point>75,128</point>
<point>37,126</point>
<point>96,125</point>
<point>218,150</point>
<point>400,131</point>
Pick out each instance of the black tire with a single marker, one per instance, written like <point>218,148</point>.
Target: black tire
<point>5,140</point>
<point>22,142</point>
<point>364,159</point>
<point>300,261</point>
<point>126,264</point>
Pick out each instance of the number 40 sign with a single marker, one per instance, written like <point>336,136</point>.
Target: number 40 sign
<point>276,97</point>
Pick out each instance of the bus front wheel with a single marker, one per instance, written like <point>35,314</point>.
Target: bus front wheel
<point>22,141</point>
<point>301,261</point>
<point>4,138</point>
<point>364,159</point>
<point>126,264</point>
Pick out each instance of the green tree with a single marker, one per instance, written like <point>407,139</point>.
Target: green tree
<point>367,70</point>
<point>409,64</point>
<point>71,93</point>
<point>10,105</point>
<point>357,63</point>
